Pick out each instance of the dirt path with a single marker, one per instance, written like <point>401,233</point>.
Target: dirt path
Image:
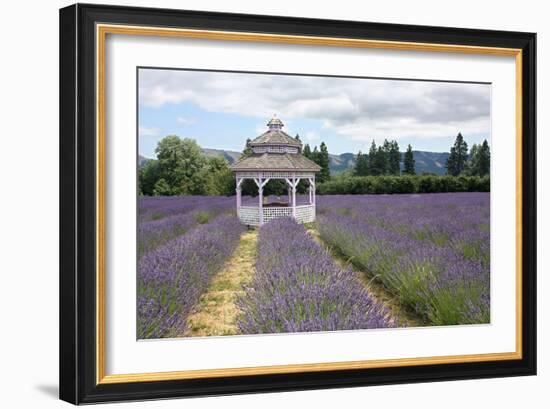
<point>216,313</point>
<point>400,317</point>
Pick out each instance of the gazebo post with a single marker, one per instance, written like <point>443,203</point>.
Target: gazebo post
<point>261,183</point>
<point>312,186</point>
<point>239,190</point>
<point>294,197</point>
<point>261,205</point>
<point>289,197</point>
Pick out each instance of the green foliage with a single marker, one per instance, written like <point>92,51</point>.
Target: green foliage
<point>361,165</point>
<point>320,157</point>
<point>479,161</point>
<point>457,161</point>
<point>162,188</point>
<point>382,160</point>
<point>408,162</point>
<point>202,217</point>
<point>247,151</point>
<point>215,178</point>
<point>324,163</point>
<point>182,169</point>
<point>307,151</point>
<point>394,158</point>
<point>343,184</point>
<point>148,176</point>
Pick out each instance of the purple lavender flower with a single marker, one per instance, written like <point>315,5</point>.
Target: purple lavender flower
<point>298,288</point>
<point>172,277</point>
<point>431,251</point>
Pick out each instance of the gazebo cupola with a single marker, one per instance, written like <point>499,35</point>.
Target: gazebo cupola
<point>275,155</point>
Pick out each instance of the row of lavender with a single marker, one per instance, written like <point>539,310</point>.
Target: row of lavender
<point>182,242</point>
<point>297,288</point>
<point>431,251</point>
<point>173,218</point>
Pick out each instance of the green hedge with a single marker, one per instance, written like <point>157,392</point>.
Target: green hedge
<point>361,185</point>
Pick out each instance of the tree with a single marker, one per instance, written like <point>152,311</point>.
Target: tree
<point>149,174</point>
<point>394,158</point>
<point>372,158</point>
<point>484,159</point>
<point>378,159</point>
<point>456,163</point>
<point>297,137</point>
<point>315,155</point>
<point>179,160</point>
<point>471,165</point>
<point>408,162</point>
<point>307,151</point>
<point>215,178</point>
<point>162,188</point>
<point>361,165</point>
<point>247,151</point>
<point>324,162</point>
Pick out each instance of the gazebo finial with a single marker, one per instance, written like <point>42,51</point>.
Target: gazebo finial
<point>275,124</point>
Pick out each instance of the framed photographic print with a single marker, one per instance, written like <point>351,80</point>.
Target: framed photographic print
<point>257,203</point>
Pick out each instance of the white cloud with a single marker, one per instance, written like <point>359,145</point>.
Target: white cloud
<point>186,121</point>
<point>149,131</point>
<point>359,109</point>
<point>311,136</point>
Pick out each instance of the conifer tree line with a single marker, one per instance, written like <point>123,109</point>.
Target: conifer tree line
<point>320,157</point>
<point>382,160</point>
<point>386,158</point>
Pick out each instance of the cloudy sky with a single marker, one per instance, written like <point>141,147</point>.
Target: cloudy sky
<point>221,110</point>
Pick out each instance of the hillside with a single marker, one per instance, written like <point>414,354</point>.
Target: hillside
<point>426,162</point>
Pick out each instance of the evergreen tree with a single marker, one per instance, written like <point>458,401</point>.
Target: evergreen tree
<point>297,137</point>
<point>307,151</point>
<point>408,162</point>
<point>372,158</point>
<point>361,164</point>
<point>472,164</point>
<point>324,162</point>
<point>247,151</point>
<point>394,158</point>
<point>484,159</point>
<point>456,163</point>
<point>315,155</point>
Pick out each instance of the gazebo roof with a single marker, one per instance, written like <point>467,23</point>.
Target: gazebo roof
<point>281,152</point>
<point>276,162</point>
<point>275,137</point>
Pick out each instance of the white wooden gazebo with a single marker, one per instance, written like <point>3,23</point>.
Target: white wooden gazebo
<point>275,155</point>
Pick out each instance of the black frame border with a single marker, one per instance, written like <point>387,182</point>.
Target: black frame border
<point>78,197</point>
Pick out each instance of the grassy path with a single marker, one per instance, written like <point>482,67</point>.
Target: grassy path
<point>216,313</point>
<point>397,314</point>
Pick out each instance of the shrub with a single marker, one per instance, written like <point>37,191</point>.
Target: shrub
<point>385,184</point>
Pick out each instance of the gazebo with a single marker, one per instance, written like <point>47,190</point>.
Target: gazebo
<point>275,155</point>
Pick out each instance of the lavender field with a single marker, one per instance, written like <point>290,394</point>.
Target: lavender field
<point>430,251</point>
<point>429,255</point>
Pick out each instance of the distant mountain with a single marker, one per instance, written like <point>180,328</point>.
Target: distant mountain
<point>430,162</point>
<point>230,156</point>
<point>425,162</point>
